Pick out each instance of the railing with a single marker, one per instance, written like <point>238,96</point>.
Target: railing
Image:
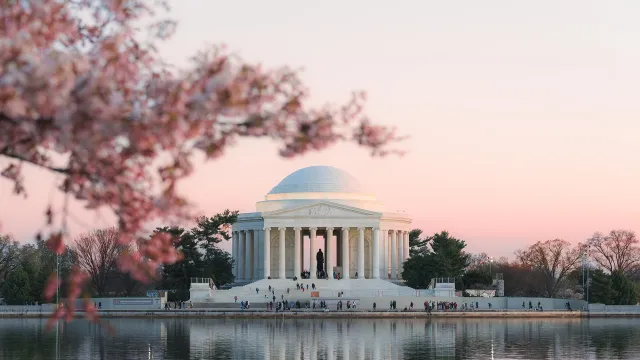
<point>27,308</point>
<point>250,294</point>
<point>198,280</point>
<point>614,308</point>
<point>445,280</point>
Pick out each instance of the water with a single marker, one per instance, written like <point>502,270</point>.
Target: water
<point>327,339</point>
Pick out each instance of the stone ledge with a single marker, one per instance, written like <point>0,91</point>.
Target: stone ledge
<point>253,314</point>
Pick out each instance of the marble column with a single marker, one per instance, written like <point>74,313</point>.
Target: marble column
<point>283,269</point>
<point>406,245</point>
<point>256,254</point>
<point>385,253</point>
<point>234,252</point>
<point>241,255</point>
<point>248,259</point>
<point>376,253</point>
<point>389,253</point>
<point>338,248</point>
<point>394,255</point>
<point>345,252</point>
<point>325,241</point>
<point>401,253</point>
<point>267,253</point>
<point>361,253</point>
<point>312,257</point>
<point>296,252</point>
<point>301,255</point>
<point>329,252</point>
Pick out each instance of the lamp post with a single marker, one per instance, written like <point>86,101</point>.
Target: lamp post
<point>585,270</point>
<point>584,291</point>
<point>588,279</point>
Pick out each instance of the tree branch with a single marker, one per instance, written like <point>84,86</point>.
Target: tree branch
<point>50,168</point>
<point>5,118</point>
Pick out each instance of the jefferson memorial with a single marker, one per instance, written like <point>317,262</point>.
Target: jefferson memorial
<point>321,220</point>
<point>320,207</point>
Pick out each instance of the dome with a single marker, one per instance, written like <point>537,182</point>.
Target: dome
<point>319,179</point>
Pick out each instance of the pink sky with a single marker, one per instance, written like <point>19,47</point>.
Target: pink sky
<point>524,117</point>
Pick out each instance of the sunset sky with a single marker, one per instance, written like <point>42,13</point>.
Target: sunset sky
<point>524,117</point>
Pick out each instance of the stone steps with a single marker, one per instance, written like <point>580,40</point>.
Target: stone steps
<point>325,288</point>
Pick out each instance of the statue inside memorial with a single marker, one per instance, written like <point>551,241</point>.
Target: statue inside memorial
<point>320,264</point>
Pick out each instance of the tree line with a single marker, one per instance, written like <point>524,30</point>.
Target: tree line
<point>551,268</point>
<point>25,268</point>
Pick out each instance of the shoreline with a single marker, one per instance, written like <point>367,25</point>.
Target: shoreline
<point>305,314</point>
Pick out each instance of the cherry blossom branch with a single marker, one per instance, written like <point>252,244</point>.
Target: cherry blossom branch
<point>86,88</point>
<point>40,165</point>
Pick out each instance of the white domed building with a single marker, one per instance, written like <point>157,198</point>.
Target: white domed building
<point>320,205</point>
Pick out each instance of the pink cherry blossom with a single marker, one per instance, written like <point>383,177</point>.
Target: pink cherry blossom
<point>91,313</point>
<point>51,286</point>
<point>60,313</point>
<point>83,97</point>
<point>55,243</point>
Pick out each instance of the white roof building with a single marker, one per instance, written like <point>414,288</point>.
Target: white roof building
<point>327,204</point>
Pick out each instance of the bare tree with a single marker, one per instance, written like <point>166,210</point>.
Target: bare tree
<point>617,251</point>
<point>479,261</point>
<point>554,259</point>
<point>97,252</point>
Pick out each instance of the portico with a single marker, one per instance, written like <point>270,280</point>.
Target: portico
<point>320,207</point>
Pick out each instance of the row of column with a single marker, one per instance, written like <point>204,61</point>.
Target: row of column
<point>246,253</point>
<point>247,246</point>
<point>396,248</point>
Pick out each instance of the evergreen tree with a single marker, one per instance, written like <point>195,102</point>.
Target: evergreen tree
<point>218,265</point>
<point>438,256</point>
<point>176,276</point>
<point>417,246</point>
<point>16,290</point>
<point>418,271</point>
<point>448,253</point>
<point>600,287</point>
<point>210,231</point>
<point>201,256</point>
<point>476,279</point>
<point>624,289</point>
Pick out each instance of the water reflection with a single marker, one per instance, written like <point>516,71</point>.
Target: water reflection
<point>325,339</point>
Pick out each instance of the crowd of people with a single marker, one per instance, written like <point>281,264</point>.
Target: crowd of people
<point>539,306</point>
<point>174,305</point>
<point>283,304</point>
<point>321,274</point>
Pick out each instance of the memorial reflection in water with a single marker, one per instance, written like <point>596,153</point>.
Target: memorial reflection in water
<point>326,339</point>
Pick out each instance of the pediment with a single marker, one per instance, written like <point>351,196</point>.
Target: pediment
<point>323,209</point>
